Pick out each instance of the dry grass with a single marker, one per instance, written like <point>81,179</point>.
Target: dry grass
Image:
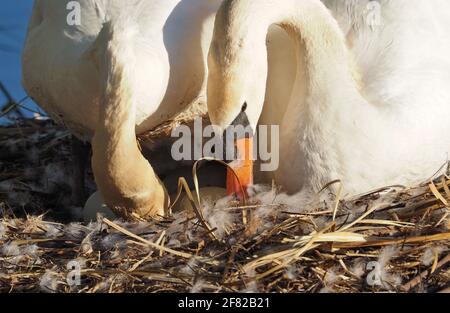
<point>318,243</point>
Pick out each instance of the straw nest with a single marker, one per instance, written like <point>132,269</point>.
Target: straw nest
<point>395,239</point>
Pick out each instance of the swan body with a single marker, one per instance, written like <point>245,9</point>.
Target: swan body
<point>128,67</point>
<point>170,44</point>
<point>368,103</point>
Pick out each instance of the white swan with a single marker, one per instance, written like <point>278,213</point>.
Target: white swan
<point>370,107</point>
<point>128,67</point>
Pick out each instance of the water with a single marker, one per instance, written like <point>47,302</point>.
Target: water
<point>14,16</point>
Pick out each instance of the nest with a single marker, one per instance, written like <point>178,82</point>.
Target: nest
<point>394,239</point>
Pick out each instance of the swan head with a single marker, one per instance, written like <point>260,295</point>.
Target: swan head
<point>237,78</point>
<point>237,72</point>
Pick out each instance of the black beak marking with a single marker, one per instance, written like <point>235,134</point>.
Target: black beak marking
<point>242,120</point>
<point>245,131</point>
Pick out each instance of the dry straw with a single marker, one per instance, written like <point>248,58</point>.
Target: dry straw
<point>319,246</point>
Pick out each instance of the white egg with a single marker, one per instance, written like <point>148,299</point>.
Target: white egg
<point>94,205</point>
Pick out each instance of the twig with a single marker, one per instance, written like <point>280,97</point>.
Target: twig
<point>149,243</point>
<point>418,279</point>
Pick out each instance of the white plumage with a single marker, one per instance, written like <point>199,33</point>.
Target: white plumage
<point>170,50</point>
<point>369,102</point>
<point>131,65</point>
<point>128,67</point>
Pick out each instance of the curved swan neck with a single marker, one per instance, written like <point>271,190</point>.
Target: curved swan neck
<point>310,25</point>
<point>325,93</point>
<point>115,134</point>
<point>124,177</point>
<point>117,115</point>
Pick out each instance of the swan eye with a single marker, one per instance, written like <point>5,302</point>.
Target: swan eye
<point>244,107</point>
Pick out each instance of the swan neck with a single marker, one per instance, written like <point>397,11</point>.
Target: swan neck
<point>123,175</point>
<point>115,134</point>
<point>311,26</point>
<point>325,72</point>
<point>117,116</point>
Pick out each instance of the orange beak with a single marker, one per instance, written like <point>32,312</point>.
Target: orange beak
<point>242,167</point>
